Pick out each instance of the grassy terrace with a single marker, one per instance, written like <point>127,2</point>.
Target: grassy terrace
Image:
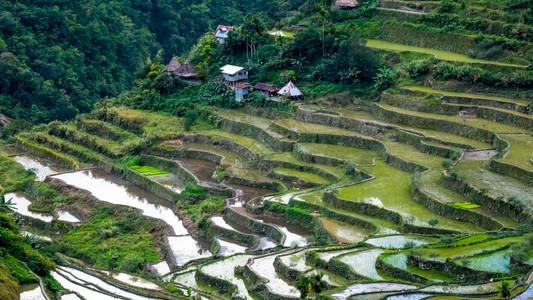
<point>410,153</point>
<point>256,146</point>
<point>259,122</point>
<point>303,127</point>
<point>155,126</point>
<point>479,123</point>
<point>520,151</point>
<point>443,136</point>
<point>495,184</point>
<point>391,188</point>
<point>494,262</point>
<point>441,254</point>
<point>466,95</point>
<point>508,111</point>
<point>386,227</point>
<point>305,176</point>
<point>288,157</point>
<point>360,157</point>
<point>439,54</point>
<point>64,146</point>
<point>431,186</point>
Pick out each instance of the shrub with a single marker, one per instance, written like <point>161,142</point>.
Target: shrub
<point>417,68</point>
<point>190,118</point>
<point>433,222</point>
<point>447,163</point>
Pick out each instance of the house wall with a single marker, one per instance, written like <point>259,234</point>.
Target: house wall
<point>243,76</point>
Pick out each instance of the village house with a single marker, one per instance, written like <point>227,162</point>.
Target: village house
<point>290,91</point>
<point>221,33</point>
<point>266,89</point>
<point>241,90</point>
<point>346,4</point>
<point>184,71</point>
<point>233,74</point>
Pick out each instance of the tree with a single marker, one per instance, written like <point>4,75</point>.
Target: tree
<point>505,289</point>
<point>111,259</point>
<point>304,286</point>
<point>6,204</point>
<point>253,30</point>
<point>433,222</point>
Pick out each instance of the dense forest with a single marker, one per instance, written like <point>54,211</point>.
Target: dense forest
<point>57,58</point>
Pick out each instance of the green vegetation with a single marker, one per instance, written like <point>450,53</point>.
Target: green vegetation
<point>439,54</point>
<point>149,170</point>
<point>466,205</point>
<point>114,237</point>
<point>13,177</point>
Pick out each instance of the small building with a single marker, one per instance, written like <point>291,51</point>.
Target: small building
<point>290,91</point>
<point>233,74</point>
<point>266,89</point>
<point>185,70</point>
<point>221,33</point>
<point>241,90</point>
<point>346,4</point>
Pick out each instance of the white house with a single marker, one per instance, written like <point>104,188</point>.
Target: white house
<point>221,33</point>
<point>233,74</point>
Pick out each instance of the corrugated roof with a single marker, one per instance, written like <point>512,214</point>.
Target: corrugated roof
<point>242,85</point>
<point>290,90</point>
<point>266,87</point>
<point>230,69</point>
<point>222,31</point>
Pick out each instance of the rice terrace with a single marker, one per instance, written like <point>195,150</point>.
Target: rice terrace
<point>308,149</point>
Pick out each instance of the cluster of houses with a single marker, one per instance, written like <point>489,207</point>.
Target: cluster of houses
<point>235,77</point>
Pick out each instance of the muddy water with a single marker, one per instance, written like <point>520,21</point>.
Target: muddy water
<point>67,217</point>
<point>92,281</point>
<point>185,248</point>
<point>160,268</point>
<point>170,181</point>
<point>39,166</point>
<point>345,232</point>
<point>264,266</point>
<point>294,233</point>
<point>246,193</point>
<point>22,203</point>
<point>264,242</point>
<point>31,292</point>
<point>229,247</point>
<point>113,190</point>
<point>225,271</point>
<point>202,169</point>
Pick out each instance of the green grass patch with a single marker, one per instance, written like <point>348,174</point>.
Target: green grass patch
<point>520,151</point>
<point>439,54</point>
<point>148,170</point>
<point>466,205</point>
<point>114,230</point>
<point>304,176</point>
<point>19,270</point>
<point>466,95</point>
<point>13,176</point>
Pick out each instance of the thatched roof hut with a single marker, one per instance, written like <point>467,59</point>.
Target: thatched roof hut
<point>185,70</point>
<point>347,4</point>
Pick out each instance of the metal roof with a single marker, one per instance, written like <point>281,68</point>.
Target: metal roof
<point>230,69</point>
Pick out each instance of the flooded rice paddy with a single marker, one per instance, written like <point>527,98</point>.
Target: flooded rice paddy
<point>31,292</point>
<point>345,232</point>
<point>363,262</point>
<point>363,288</point>
<point>21,206</point>
<point>40,167</point>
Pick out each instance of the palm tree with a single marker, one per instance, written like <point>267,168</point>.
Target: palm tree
<point>111,258</point>
<point>299,61</point>
<point>7,204</point>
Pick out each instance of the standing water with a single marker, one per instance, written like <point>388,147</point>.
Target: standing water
<point>116,191</point>
<point>40,167</point>
<point>21,206</point>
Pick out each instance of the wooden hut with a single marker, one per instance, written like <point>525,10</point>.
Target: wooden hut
<point>266,89</point>
<point>185,70</point>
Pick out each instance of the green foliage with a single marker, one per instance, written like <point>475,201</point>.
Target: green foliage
<point>384,79</point>
<point>433,222</point>
<point>417,68</point>
<point>193,189</point>
<point>504,290</point>
<point>13,176</point>
<point>113,238</point>
<point>466,205</point>
<point>190,117</point>
<point>149,170</point>
<point>14,127</point>
<point>447,163</point>
<point>201,212</point>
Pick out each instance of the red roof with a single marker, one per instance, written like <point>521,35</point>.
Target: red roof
<point>228,28</point>
<point>242,85</point>
<point>266,87</point>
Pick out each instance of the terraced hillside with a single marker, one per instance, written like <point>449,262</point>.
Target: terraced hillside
<point>355,195</point>
<point>425,192</point>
